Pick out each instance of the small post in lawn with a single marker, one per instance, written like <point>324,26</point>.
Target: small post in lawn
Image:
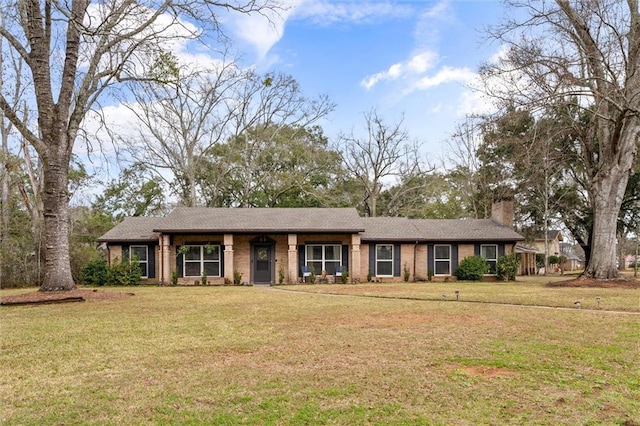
<point>457,295</point>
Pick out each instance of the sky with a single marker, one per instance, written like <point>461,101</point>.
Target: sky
<point>409,60</point>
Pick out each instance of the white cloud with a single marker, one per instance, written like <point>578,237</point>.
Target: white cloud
<point>417,64</point>
<point>324,12</point>
<point>446,75</point>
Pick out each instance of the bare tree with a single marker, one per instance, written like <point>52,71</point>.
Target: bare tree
<point>375,160</point>
<point>182,120</point>
<point>183,123</point>
<point>586,54</point>
<point>74,52</point>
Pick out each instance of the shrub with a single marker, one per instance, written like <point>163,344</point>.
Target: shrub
<point>369,277</point>
<point>95,272</point>
<point>472,268</point>
<point>508,267</point>
<point>281,274</point>
<point>345,276</point>
<point>174,278</point>
<point>554,260</point>
<point>237,278</point>
<point>406,273</point>
<point>124,273</point>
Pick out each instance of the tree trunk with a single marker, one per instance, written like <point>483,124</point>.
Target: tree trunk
<point>56,222</point>
<point>608,194</point>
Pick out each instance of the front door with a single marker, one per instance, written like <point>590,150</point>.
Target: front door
<point>262,263</point>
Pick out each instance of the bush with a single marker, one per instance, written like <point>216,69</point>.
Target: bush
<point>508,267</point>
<point>345,276</point>
<point>472,268</point>
<point>124,273</point>
<point>554,260</point>
<point>95,272</point>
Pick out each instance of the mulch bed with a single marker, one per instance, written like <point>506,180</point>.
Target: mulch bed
<point>592,282</point>
<point>38,297</point>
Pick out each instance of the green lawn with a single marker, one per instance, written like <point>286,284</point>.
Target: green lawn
<point>250,355</point>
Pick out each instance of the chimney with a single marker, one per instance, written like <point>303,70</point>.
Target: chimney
<point>502,212</point>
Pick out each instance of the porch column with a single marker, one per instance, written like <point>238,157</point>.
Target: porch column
<point>292,259</point>
<point>228,258</point>
<point>354,268</point>
<point>165,256</point>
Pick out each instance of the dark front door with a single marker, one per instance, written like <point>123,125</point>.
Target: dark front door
<point>262,263</point>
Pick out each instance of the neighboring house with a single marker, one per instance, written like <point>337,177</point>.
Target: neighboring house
<point>573,256</point>
<point>553,239</point>
<point>265,245</point>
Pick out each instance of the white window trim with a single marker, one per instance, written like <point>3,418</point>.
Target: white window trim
<point>492,259</point>
<point>146,262</point>
<point>435,259</point>
<point>393,255</point>
<point>324,259</point>
<point>202,261</point>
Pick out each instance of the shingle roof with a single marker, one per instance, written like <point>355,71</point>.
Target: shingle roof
<point>316,220</point>
<point>133,229</point>
<point>395,229</point>
<point>202,219</point>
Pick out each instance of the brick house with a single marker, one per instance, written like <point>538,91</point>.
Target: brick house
<point>270,245</point>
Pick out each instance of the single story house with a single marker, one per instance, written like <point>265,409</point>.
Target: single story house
<point>274,245</point>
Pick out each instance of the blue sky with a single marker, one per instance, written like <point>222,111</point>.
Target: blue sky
<point>401,57</point>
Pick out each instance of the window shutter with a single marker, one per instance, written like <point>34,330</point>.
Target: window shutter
<point>454,258</point>
<point>179,266</point>
<point>301,249</point>
<point>397,262</point>
<point>222,260</point>
<point>500,250</point>
<point>476,249</point>
<point>125,253</point>
<point>430,260</point>
<point>372,259</point>
<point>345,257</point>
<point>151,259</point>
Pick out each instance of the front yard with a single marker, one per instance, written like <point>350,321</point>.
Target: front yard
<point>251,355</point>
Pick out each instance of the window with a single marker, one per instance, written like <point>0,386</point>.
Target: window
<point>384,260</point>
<point>324,257</point>
<point>442,260</point>
<point>199,259</point>
<point>490,253</point>
<point>141,253</point>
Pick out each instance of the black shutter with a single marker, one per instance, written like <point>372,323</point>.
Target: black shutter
<point>454,257</point>
<point>372,259</point>
<point>301,259</point>
<point>151,259</point>
<point>500,250</point>
<point>397,262</point>
<point>125,253</point>
<point>345,257</point>
<point>476,249</point>
<point>430,260</point>
<point>222,260</point>
<point>179,266</point>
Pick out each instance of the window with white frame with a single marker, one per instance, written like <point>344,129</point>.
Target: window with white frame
<point>384,260</point>
<point>202,259</point>
<point>490,253</point>
<point>442,259</point>
<point>140,253</point>
<point>324,257</point>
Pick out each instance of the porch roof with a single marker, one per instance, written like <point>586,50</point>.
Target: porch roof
<point>261,220</point>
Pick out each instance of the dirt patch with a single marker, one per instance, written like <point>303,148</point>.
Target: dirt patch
<point>488,371</point>
<point>592,282</point>
<point>38,297</point>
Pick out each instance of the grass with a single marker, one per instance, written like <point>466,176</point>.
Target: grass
<point>248,355</point>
